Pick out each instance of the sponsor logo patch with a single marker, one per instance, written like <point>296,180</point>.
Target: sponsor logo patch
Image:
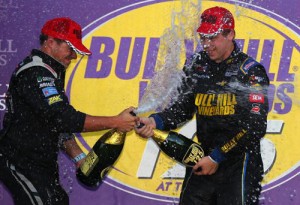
<point>248,64</point>
<point>54,99</point>
<point>48,91</point>
<point>47,84</point>
<point>255,79</point>
<point>200,68</point>
<point>43,79</point>
<point>222,83</point>
<point>256,98</point>
<point>255,109</point>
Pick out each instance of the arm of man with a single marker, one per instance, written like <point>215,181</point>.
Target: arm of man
<point>124,122</point>
<point>62,116</point>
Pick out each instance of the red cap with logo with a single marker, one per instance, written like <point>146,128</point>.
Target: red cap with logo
<point>68,30</point>
<point>214,20</point>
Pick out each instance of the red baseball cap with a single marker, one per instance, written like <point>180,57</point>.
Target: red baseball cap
<point>214,20</point>
<point>68,30</point>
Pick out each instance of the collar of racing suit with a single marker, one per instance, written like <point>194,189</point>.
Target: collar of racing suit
<point>54,64</point>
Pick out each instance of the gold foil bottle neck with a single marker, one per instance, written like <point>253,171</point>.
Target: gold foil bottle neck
<point>159,136</point>
<point>114,137</point>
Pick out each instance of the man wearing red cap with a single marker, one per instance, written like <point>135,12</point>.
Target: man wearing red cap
<point>39,111</point>
<point>227,91</point>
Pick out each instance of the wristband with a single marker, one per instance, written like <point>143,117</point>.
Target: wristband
<point>79,157</point>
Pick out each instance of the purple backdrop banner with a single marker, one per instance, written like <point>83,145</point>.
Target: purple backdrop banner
<point>20,24</point>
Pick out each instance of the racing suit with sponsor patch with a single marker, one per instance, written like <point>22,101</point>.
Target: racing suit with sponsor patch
<point>230,102</point>
<point>38,111</point>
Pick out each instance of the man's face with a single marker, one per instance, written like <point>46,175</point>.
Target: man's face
<point>218,47</point>
<point>62,52</point>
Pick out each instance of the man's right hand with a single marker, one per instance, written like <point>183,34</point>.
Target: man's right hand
<point>127,121</point>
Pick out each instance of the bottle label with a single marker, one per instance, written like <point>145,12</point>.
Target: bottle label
<point>90,162</point>
<point>193,155</point>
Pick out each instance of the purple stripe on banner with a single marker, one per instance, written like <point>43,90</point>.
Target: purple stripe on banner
<point>139,193</point>
<point>117,12</point>
<point>22,21</point>
<point>289,176</point>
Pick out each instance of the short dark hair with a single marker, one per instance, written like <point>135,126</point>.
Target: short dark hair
<point>44,37</point>
<point>225,32</point>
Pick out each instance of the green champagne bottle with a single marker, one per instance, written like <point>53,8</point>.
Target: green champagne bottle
<point>178,147</point>
<point>101,158</point>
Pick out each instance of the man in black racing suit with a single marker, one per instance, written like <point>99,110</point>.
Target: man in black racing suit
<point>227,90</point>
<point>39,111</point>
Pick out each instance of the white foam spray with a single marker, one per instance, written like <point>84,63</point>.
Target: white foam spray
<point>163,87</point>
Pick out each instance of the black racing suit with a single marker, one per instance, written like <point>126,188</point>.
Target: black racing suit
<point>231,105</point>
<point>38,111</point>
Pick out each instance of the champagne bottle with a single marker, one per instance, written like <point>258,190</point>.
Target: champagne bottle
<point>101,158</point>
<point>178,147</point>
